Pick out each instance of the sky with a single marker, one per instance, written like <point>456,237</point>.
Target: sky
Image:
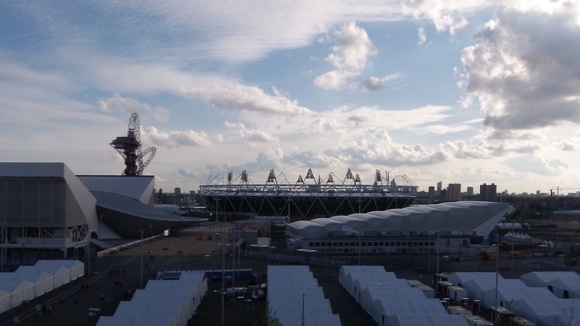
<point>457,91</point>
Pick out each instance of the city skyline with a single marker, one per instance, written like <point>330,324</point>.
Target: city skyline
<point>467,92</point>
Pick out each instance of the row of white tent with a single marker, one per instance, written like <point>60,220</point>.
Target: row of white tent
<point>536,296</point>
<point>523,237</point>
<point>544,298</point>
<point>294,296</point>
<point>392,301</point>
<point>563,284</point>
<point>29,282</point>
<point>161,302</point>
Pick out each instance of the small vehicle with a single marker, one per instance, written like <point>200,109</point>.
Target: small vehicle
<point>94,312</point>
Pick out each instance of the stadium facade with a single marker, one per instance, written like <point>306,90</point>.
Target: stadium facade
<point>47,212</point>
<point>452,227</point>
<point>305,199</point>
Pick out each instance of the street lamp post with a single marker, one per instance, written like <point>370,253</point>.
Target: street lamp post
<point>101,226</point>
<point>437,268</point>
<point>216,211</point>
<point>141,269</point>
<point>4,236</point>
<point>223,278</point>
<point>359,248</point>
<point>303,301</point>
<point>512,254</point>
<point>89,248</point>
<point>495,321</point>
<point>233,261</point>
<point>437,271</point>
<point>429,255</point>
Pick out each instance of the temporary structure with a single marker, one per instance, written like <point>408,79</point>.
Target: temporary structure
<point>294,295</point>
<point>393,301</point>
<point>562,284</point>
<point>162,302</point>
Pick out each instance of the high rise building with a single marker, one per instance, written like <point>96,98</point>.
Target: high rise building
<point>431,194</point>
<point>488,192</point>
<point>454,192</point>
<point>439,187</point>
<point>469,191</point>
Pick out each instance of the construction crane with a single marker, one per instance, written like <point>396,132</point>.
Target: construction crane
<point>130,148</point>
<point>558,190</point>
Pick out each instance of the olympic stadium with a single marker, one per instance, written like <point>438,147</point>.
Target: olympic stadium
<point>307,198</point>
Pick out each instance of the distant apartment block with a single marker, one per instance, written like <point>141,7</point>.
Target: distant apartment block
<point>454,192</point>
<point>488,192</point>
<point>469,191</point>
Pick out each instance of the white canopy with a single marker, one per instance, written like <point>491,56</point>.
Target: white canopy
<point>292,288</point>
<point>162,302</point>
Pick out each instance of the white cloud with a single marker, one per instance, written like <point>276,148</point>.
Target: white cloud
<point>421,36</point>
<point>349,57</point>
<point>375,83</point>
<point>334,80</point>
<point>253,136</point>
<point>353,48</point>
<point>130,105</point>
<point>524,68</point>
<point>174,139</point>
<point>523,71</point>
<point>311,159</point>
<point>234,97</point>
<point>567,146</point>
<point>537,165</point>
<point>441,129</point>
<point>450,23</point>
<point>375,146</point>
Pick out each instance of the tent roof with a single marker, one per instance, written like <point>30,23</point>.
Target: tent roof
<point>429,320</point>
<point>427,218</point>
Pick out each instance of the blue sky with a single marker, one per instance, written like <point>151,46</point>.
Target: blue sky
<point>466,92</point>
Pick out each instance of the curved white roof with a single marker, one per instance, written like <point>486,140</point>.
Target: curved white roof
<point>455,217</point>
<point>373,222</point>
<point>305,229</point>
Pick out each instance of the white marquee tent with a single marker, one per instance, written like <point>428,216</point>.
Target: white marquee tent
<point>294,294</point>
<point>20,290</point>
<point>432,320</point>
<point>63,271</point>
<point>529,297</point>
<point>43,281</point>
<point>5,300</point>
<point>29,282</point>
<point>162,302</point>
<point>392,301</point>
<point>548,312</point>
<point>562,284</point>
